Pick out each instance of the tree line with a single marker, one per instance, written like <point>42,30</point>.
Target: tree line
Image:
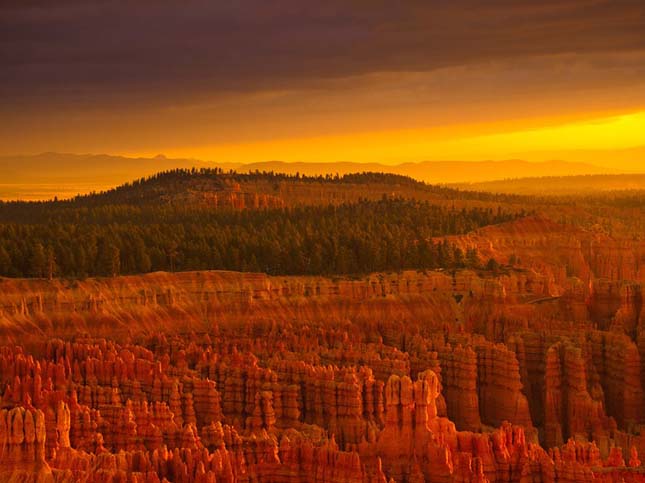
<point>368,236</point>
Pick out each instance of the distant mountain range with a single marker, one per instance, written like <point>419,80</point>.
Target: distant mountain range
<point>629,159</point>
<point>46,175</point>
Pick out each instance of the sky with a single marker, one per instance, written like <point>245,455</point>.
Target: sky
<point>339,80</point>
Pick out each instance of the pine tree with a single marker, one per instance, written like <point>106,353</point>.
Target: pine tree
<point>115,261</point>
<point>51,263</point>
<point>472,258</point>
<point>142,259</point>
<point>5,261</point>
<point>38,262</point>
<point>459,259</point>
<point>492,265</point>
<point>109,259</point>
<point>172,252</point>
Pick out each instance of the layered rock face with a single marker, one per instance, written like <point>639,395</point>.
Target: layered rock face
<point>529,375</point>
<point>558,251</point>
<point>22,435</point>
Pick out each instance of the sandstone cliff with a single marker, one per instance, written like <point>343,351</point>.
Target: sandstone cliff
<point>535,373</point>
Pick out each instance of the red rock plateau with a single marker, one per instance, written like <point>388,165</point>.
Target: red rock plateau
<point>533,374</point>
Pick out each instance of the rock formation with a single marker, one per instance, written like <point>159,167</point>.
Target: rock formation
<point>534,374</point>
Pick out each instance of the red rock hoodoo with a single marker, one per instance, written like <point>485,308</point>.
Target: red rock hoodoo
<point>533,374</point>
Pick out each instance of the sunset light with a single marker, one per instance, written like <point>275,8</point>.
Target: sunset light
<point>337,241</point>
<point>441,143</point>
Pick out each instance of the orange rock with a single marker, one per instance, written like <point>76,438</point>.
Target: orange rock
<point>392,377</point>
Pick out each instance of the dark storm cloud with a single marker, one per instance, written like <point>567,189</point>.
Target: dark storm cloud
<point>103,51</point>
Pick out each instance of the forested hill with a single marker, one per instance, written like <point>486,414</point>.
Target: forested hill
<point>199,220</point>
<point>219,189</point>
<point>43,176</point>
<point>203,184</point>
<point>363,237</point>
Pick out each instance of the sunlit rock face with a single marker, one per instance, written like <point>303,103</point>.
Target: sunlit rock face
<point>524,375</point>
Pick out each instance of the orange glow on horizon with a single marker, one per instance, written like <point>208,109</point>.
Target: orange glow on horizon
<point>502,140</point>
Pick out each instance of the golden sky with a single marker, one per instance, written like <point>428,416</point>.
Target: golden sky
<point>351,80</point>
<point>527,139</point>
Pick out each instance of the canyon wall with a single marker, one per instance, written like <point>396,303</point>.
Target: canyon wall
<point>533,373</point>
